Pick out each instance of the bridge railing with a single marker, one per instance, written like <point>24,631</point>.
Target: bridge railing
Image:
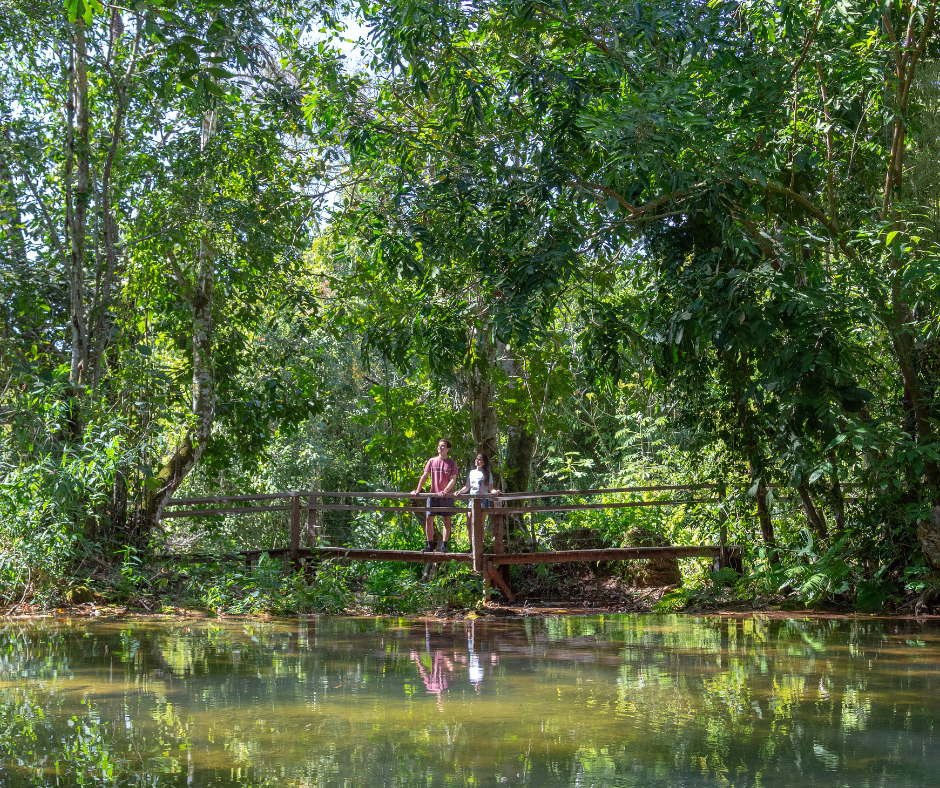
<point>314,502</point>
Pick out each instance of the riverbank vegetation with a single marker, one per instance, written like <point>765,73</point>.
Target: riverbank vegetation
<point>247,248</point>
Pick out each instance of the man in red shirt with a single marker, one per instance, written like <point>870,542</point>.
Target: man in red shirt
<point>443,473</point>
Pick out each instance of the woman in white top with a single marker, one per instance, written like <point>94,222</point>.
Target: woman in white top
<point>480,480</point>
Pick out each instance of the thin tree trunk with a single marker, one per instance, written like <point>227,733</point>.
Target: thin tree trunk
<point>907,53</point>
<point>101,333</point>
<point>98,336</point>
<point>838,499</point>
<point>193,445</point>
<point>201,297</point>
<point>815,519</point>
<point>763,515</point>
<point>82,196</point>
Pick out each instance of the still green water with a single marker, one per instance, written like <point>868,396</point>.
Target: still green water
<point>606,701</point>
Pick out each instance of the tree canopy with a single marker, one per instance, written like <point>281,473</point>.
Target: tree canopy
<point>607,239</point>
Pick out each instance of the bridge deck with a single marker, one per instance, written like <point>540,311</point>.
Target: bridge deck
<point>548,557</point>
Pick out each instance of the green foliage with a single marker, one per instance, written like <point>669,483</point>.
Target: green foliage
<point>55,495</point>
<point>269,589</point>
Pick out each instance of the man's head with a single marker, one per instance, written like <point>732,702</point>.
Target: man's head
<point>443,447</point>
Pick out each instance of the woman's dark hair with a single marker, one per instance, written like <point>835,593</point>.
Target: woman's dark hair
<point>488,476</point>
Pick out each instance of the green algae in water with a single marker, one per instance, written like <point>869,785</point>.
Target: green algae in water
<point>607,701</point>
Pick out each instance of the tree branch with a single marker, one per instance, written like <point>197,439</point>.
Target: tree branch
<point>817,213</point>
<point>47,219</point>
<point>181,278</point>
<point>809,42</point>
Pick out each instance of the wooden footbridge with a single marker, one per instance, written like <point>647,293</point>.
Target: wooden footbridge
<point>488,564</point>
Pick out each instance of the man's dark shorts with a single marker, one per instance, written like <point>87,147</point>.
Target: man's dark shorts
<point>441,503</point>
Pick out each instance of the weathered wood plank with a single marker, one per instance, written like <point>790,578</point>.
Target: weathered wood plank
<point>409,556</point>
<point>496,578</point>
<point>608,554</point>
<point>338,507</point>
<point>228,499</point>
<point>226,510</point>
<point>568,493</point>
<point>416,556</point>
<point>620,505</point>
<point>392,496</point>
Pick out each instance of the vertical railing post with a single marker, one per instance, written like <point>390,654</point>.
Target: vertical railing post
<point>476,533</point>
<point>313,521</point>
<point>722,529</point>
<point>295,531</point>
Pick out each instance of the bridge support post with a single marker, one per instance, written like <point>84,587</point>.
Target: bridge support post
<point>722,529</point>
<point>499,547</point>
<point>476,534</point>
<point>313,522</point>
<point>295,531</point>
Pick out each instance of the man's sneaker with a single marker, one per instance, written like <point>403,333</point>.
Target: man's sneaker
<point>430,547</point>
<point>443,547</point>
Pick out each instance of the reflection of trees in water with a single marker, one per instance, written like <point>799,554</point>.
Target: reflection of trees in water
<point>622,701</point>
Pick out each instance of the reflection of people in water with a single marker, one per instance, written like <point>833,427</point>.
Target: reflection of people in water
<point>476,671</point>
<point>437,675</point>
<point>439,671</point>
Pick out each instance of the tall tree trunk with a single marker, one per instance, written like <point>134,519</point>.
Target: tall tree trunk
<point>201,297</point>
<point>187,454</point>
<point>82,197</point>
<point>907,51</point>
<point>482,394</point>
<point>521,442</point>
<point>521,445</point>
<point>838,499</point>
<point>101,309</point>
<point>908,48</point>
<point>102,318</point>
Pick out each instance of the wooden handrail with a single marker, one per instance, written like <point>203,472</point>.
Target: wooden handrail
<point>434,509</point>
<point>321,494</point>
<point>402,496</point>
<point>569,493</point>
<point>226,510</point>
<point>587,506</point>
<point>228,499</point>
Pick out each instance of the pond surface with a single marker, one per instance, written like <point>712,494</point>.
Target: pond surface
<point>605,701</point>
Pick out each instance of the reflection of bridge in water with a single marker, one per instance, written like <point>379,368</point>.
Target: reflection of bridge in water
<point>491,565</point>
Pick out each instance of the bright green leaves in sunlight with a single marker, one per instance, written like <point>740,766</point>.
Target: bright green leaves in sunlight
<point>86,9</point>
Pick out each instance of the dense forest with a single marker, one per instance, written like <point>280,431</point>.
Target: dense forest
<point>250,247</point>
